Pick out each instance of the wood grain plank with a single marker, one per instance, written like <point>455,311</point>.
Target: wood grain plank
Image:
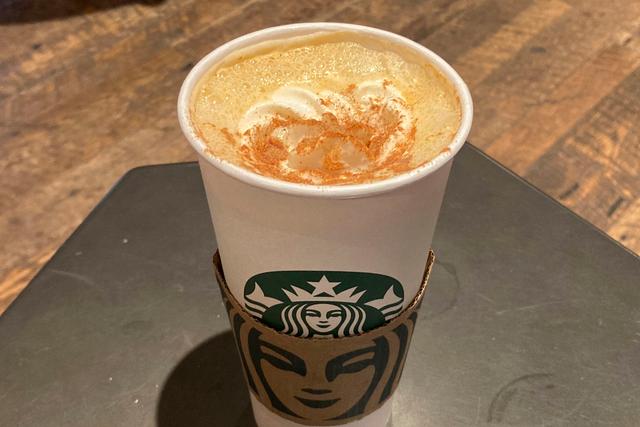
<point>534,75</point>
<point>103,48</point>
<point>595,166</point>
<point>548,120</point>
<point>626,229</point>
<point>377,12</point>
<point>478,63</point>
<point>469,27</point>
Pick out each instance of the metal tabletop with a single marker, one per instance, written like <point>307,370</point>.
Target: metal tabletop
<point>532,317</point>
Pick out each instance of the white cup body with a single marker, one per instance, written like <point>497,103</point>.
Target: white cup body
<point>264,225</point>
<point>388,233</point>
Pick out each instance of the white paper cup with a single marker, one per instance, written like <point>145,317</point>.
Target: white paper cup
<point>266,225</point>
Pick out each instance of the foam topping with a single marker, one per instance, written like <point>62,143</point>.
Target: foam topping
<point>326,110</point>
<point>328,137</point>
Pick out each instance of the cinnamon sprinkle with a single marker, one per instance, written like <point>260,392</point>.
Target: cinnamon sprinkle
<point>228,136</point>
<point>368,131</point>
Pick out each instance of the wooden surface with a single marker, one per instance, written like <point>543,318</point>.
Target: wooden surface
<point>88,91</point>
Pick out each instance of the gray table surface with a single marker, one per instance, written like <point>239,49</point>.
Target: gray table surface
<point>533,316</point>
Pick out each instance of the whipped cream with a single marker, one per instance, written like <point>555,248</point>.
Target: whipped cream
<point>308,134</point>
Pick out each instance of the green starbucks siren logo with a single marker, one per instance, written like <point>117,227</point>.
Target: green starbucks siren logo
<point>323,303</point>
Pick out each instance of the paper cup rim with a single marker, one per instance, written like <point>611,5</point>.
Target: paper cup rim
<point>311,190</point>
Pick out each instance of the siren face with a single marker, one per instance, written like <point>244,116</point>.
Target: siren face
<point>357,372</point>
<point>323,318</point>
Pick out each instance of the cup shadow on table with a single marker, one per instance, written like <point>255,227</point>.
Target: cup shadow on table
<point>206,388</point>
<point>44,10</point>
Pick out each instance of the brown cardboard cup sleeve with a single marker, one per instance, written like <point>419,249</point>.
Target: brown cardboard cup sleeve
<point>321,381</point>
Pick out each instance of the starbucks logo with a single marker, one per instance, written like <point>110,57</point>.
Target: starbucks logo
<point>323,303</point>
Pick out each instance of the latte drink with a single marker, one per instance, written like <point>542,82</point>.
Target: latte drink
<point>325,150</point>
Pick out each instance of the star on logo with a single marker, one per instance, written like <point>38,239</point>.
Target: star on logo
<point>324,287</point>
